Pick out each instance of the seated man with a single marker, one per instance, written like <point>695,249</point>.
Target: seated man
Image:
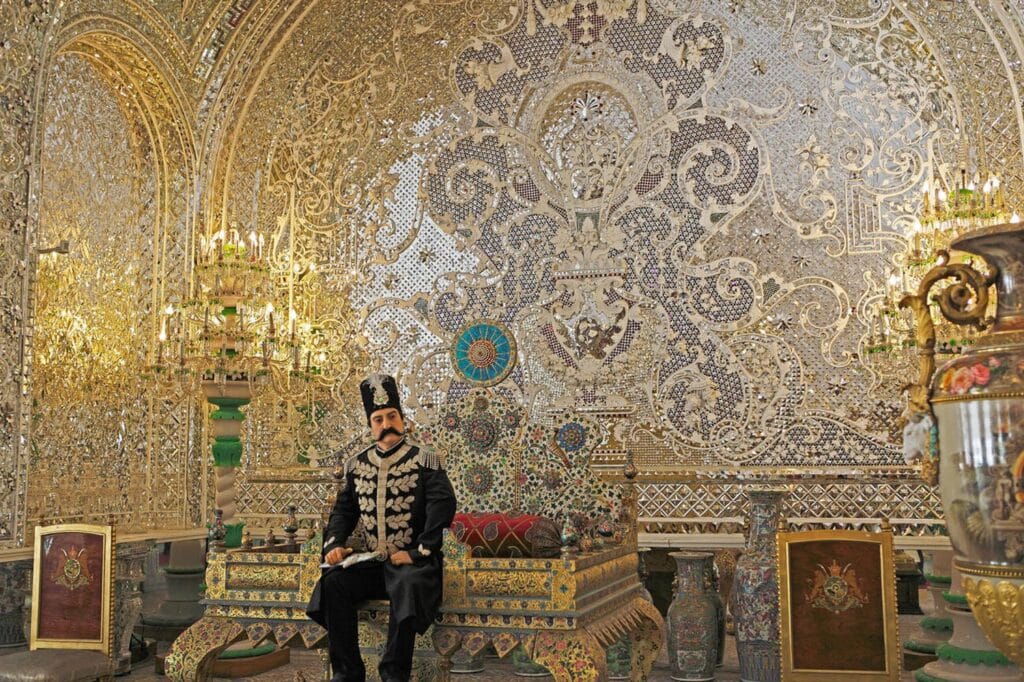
<point>405,501</point>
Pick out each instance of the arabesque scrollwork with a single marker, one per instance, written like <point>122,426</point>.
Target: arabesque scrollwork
<point>683,212</point>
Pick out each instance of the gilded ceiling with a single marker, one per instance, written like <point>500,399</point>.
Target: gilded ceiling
<point>681,212</point>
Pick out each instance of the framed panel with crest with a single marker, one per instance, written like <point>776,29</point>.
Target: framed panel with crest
<point>838,618</point>
<point>72,587</point>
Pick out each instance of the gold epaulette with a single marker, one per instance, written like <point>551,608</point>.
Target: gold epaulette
<point>428,457</point>
<point>350,462</point>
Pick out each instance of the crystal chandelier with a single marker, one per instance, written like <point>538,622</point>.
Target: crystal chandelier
<point>230,330</point>
<point>946,215</point>
<point>948,210</point>
<point>231,342</point>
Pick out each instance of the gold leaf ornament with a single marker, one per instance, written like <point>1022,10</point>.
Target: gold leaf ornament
<point>999,610</point>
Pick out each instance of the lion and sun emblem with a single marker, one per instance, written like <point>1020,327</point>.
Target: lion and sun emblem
<point>73,572</point>
<point>835,588</point>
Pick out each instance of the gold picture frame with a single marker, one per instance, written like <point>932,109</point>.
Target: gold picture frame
<point>73,588</point>
<point>838,586</point>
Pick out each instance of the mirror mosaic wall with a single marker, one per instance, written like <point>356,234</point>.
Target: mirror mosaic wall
<point>672,219</point>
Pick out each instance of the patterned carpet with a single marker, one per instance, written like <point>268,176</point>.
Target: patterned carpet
<point>308,663</point>
<point>307,666</point>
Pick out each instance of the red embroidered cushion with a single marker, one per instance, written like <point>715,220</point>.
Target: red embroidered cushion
<point>501,535</point>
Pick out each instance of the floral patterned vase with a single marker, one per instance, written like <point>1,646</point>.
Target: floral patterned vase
<point>711,584</point>
<point>978,402</point>
<point>693,640</point>
<point>755,591</point>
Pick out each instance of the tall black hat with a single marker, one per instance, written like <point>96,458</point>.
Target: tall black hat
<point>379,392</point>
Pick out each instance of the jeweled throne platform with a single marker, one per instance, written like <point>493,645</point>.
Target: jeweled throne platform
<point>564,612</point>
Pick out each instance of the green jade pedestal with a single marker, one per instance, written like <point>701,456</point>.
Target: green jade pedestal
<point>227,454</point>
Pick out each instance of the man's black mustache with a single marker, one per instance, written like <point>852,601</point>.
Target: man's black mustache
<point>390,430</point>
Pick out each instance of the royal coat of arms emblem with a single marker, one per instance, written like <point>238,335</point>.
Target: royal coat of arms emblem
<point>73,572</point>
<point>835,588</point>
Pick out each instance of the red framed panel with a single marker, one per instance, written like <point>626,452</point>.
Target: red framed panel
<point>72,587</point>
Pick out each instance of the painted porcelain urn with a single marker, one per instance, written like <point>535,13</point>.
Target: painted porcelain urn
<point>977,399</point>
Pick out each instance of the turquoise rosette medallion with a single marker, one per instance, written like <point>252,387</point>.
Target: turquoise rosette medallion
<point>484,353</point>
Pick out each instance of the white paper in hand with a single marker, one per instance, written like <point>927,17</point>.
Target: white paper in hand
<point>354,558</point>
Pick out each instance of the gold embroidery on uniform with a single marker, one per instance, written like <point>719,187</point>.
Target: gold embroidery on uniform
<point>401,503</point>
<point>384,487</point>
<point>363,487</point>
<point>402,539</point>
<point>399,520</point>
<point>382,500</point>
<point>382,541</point>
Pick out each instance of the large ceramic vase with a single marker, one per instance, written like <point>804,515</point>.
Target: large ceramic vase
<point>712,585</point>
<point>978,402</point>
<point>755,591</point>
<point>693,640</point>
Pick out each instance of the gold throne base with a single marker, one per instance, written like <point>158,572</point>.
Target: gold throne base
<point>564,613</point>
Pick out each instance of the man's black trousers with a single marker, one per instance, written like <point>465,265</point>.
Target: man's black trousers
<point>343,590</point>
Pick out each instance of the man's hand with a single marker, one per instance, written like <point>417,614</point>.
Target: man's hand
<point>401,558</point>
<point>337,554</point>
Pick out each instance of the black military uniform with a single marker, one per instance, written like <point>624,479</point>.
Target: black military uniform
<point>405,501</point>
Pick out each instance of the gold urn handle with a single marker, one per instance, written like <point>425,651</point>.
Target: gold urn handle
<point>964,302</point>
